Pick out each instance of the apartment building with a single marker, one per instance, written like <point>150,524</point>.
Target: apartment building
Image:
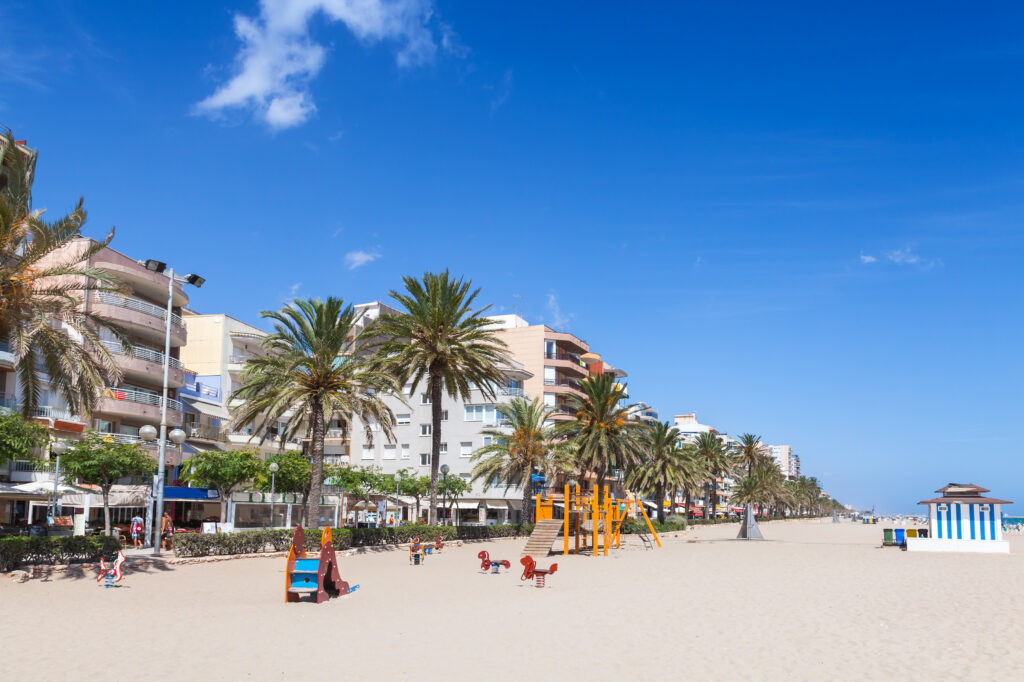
<point>783,456</point>
<point>217,350</point>
<point>557,361</point>
<point>689,430</point>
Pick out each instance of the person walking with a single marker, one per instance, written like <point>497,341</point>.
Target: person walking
<point>135,526</point>
<point>166,532</point>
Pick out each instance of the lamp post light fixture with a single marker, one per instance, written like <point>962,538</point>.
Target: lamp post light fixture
<point>273,472</point>
<point>398,509</point>
<point>444,473</point>
<point>58,448</point>
<point>196,281</point>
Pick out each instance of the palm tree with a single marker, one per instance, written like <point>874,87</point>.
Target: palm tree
<point>750,453</point>
<point>694,473</point>
<point>42,285</point>
<point>663,466</point>
<point>718,460</point>
<point>523,444</point>
<point>761,487</point>
<point>441,339</point>
<point>311,375</point>
<point>605,433</point>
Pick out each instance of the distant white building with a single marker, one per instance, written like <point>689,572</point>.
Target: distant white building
<point>783,456</point>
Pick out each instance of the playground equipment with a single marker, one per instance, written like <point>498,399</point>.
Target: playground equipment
<point>417,552</point>
<point>111,576</point>
<point>487,563</point>
<point>586,515</point>
<point>314,575</point>
<point>531,572</point>
<point>438,543</point>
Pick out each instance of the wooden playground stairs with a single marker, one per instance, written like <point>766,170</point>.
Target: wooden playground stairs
<point>542,537</point>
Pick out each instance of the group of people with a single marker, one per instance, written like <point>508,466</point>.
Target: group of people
<point>137,528</point>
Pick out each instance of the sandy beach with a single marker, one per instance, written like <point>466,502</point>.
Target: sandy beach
<point>815,600</point>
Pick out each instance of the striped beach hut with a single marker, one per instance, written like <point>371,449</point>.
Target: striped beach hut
<point>963,520</point>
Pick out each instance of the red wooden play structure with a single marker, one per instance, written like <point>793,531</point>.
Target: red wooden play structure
<point>314,575</point>
<point>531,572</point>
<point>486,562</point>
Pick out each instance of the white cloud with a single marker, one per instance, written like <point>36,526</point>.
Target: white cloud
<point>903,256</point>
<point>278,57</point>
<point>355,259</point>
<point>504,91</point>
<point>294,289</point>
<point>557,318</point>
<point>865,258</point>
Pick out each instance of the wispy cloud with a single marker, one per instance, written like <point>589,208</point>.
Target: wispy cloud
<point>865,258</point>
<point>503,91</point>
<point>558,319</point>
<point>334,235</point>
<point>355,259</point>
<point>279,57</point>
<point>905,256</point>
<point>293,290</point>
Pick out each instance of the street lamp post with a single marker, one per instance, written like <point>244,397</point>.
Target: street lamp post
<point>148,434</point>
<point>58,448</point>
<point>444,473</point>
<point>197,281</point>
<point>273,472</point>
<point>398,509</point>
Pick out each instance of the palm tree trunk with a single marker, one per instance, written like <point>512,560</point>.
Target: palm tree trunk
<point>686,512</point>
<point>714,497</point>
<point>660,494</point>
<point>316,476</point>
<point>435,439</point>
<point>106,509</point>
<point>527,490</point>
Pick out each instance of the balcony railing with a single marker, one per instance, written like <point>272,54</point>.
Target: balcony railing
<point>240,358</point>
<point>136,304</point>
<point>29,465</point>
<point>143,397</point>
<point>511,392</point>
<point>562,356</point>
<point>143,353</point>
<point>61,413</point>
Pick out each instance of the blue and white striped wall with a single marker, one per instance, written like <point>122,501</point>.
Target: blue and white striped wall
<point>960,521</point>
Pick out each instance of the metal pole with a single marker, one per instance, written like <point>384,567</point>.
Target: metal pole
<point>56,480</point>
<point>272,475</point>
<point>445,510</point>
<point>161,459</point>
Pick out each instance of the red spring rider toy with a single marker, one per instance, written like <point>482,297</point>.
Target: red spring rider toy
<point>493,564</point>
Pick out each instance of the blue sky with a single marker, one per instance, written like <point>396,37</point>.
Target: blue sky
<point>798,221</point>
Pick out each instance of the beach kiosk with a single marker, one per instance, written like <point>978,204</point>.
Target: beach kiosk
<point>962,520</point>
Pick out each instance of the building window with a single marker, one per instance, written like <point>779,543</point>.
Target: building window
<point>465,449</point>
<point>424,459</point>
<point>549,376</point>
<point>487,440</point>
<point>549,400</point>
<point>424,399</point>
<point>444,415</point>
<point>408,389</point>
<point>465,477</point>
<point>368,452</point>
<point>480,413</point>
<point>425,429</point>
<point>444,448</point>
<point>390,451</point>
<point>405,451</point>
<point>402,419</point>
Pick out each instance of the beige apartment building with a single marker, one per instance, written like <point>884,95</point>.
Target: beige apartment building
<point>218,348</point>
<point>558,361</point>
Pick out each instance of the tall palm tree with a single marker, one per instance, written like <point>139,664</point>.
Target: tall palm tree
<point>42,285</point>
<point>761,487</point>
<point>719,462</point>
<point>663,465</point>
<point>694,473</point>
<point>605,433</point>
<point>311,375</point>
<point>441,339</point>
<point>750,452</point>
<point>523,444</point>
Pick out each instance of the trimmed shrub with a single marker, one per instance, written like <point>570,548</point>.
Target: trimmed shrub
<point>18,551</point>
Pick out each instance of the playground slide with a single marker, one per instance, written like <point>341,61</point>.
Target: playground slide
<point>317,576</point>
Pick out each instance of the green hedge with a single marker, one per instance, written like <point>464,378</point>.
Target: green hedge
<point>265,540</point>
<point>18,551</point>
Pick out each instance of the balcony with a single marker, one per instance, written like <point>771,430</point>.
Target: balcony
<point>236,363</point>
<point>6,356</point>
<point>138,406</point>
<point>147,364</point>
<point>61,413</point>
<point>142,317</point>
<point>566,361</point>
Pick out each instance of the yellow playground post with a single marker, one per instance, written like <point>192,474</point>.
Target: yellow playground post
<point>606,518</point>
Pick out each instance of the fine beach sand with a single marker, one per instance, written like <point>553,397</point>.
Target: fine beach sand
<point>816,600</point>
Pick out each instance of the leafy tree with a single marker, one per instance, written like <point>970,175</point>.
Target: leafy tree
<point>750,452</point>
<point>605,433</point>
<point>452,487</point>
<point>363,482</point>
<point>43,279</point>
<point>442,340</point>
<point>20,437</point>
<point>292,475</point>
<point>416,487</point>
<point>694,473</point>
<point>224,470</point>
<point>98,459</point>
<point>663,465</point>
<point>519,447</point>
<point>310,375</point>
<point>718,461</point>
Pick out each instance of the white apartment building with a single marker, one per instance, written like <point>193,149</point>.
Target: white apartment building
<point>783,455</point>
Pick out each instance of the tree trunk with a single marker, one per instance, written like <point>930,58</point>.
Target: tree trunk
<point>689,500</point>
<point>435,439</point>
<point>106,509</point>
<point>225,500</point>
<point>714,497</point>
<point>528,510</point>
<point>660,494</point>
<point>317,474</point>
